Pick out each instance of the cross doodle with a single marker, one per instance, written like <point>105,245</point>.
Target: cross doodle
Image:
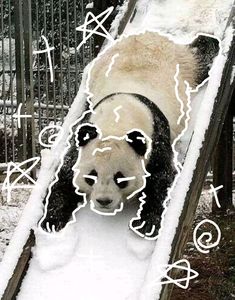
<point>47,50</point>
<point>19,116</point>
<point>213,191</point>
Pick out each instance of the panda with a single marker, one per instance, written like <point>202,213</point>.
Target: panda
<point>121,151</point>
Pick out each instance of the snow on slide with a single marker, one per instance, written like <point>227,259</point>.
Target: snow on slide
<point>105,261</point>
<point>98,257</point>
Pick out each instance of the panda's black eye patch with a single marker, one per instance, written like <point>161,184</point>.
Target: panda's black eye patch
<point>120,181</point>
<point>91,178</point>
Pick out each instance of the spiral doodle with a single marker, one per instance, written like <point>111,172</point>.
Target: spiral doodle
<point>54,133</point>
<point>207,237</point>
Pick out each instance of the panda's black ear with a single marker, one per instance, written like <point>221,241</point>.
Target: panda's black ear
<point>85,134</point>
<point>137,141</point>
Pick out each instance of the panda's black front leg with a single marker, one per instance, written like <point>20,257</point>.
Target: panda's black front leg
<point>148,220</point>
<point>62,199</point>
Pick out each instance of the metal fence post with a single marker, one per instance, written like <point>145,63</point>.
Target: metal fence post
<point>19,54</point>
<point>27,24</point>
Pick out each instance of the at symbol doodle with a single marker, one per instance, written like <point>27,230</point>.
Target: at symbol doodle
<point>204,246</point>
<point>52,133</point>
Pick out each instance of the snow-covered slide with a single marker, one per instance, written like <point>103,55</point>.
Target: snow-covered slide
<point>98,257</point>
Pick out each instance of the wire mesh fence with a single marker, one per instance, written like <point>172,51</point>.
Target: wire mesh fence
<point>25,74</point>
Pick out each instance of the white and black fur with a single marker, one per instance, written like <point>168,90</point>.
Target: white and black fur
<point>63,201</point>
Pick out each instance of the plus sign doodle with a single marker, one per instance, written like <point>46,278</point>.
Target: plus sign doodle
<point>103,32</point>
<point>19,116</point>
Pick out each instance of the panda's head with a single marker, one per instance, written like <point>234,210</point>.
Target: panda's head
<point>110,170</point>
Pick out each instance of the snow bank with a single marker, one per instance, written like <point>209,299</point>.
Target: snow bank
<point>108,261</point>
<point>183,19</point>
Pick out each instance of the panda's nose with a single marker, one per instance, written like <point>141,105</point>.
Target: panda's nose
<point>104,202</point>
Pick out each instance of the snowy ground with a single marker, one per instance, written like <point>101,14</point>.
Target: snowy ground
<point>10,215</point>
<point>98,258</point>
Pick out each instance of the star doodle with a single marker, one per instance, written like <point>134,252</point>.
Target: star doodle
<point>17,167</point>
<point>183,283</point>
<point>103,32</point>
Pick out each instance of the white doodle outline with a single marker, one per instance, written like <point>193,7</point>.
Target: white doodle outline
<point>101,150</point>
<point>47,50</point>
<point>58,135</point>
<point>176,281</point>
<point>90,110</point>
<point>115,111</point>
<point>197,241</point>
<point>111,64</point>
<point>177,164</point>
<point>17,167</point>
<point>213,191</point>
<point>177,94</point>
<point>76,170</point>
<point>19,116</point>
<point>113,213</point>
<point>93,177</point>
<point>119,180</point>
<point>83,28</point>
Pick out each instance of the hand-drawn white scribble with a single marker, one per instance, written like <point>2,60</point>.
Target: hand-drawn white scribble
<point>207,236</point>
<point>111,64</point>
<point>116,113</point>
<point>47,50</point>
<point>19,116</point>
<point>17,167</point>
<point>53,138</point>
<point>183,282</point>
<point>213,191</point>
<point>101,150</point>
<point>84,28</point>
<point>177,94</point>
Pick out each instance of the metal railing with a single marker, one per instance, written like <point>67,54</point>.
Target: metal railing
<point>25,76</point>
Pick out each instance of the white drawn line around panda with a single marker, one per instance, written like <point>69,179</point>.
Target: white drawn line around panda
<point>168,198</point>
<point>115,111</point>
<point>93,177</point>
<point>141,225</point>
<point>149,140</point>
<point>111,64</point>
<point>113,213</point>
<point>126,179</point>
<point>177,94</point>
<point>177,164</point>
<point>151,232</point>
<point>135,229</point>
<point>101,150</point>
<point>90,110</point>
<point>87,73</point>
<point>124,137</point>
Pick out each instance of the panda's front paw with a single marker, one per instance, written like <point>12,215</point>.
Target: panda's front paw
<point>146,227</point>
<point>52,225</point>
